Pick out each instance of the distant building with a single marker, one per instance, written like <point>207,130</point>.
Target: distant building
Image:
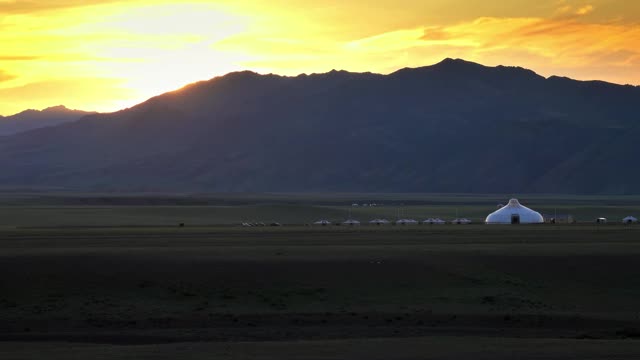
<point>514,213</point>
<point>601,220</point>
<point>322,222</point>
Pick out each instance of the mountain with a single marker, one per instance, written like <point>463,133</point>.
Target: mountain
<point>34,119</point>
<point>452,127</point>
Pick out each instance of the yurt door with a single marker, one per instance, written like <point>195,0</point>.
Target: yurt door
<point>515,219</point>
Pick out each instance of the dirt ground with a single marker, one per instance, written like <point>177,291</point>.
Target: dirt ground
<point>477,292</point>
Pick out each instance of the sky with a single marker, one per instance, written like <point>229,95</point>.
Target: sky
<point>105,55</point>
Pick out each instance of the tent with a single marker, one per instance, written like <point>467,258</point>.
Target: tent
<point>514,213</point>
<point>351,222</point>
<point>322,222</point>
<point>629,220</point>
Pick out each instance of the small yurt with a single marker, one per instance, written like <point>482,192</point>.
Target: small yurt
<point>351,222</point>
<point>461,221</point>
<point>434,221</point>
<point>379,222</point>
<point>406,222</point>
<point>322,222</point>
<point>514,213</point>
<point>629,220</point>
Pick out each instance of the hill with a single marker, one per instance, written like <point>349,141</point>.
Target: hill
<point>452,127</point>
<point>34,119</point>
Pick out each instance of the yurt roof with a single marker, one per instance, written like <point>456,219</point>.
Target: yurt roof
<point>504,214</point>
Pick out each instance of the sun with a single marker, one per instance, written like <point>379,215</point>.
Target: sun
<point>163,47</point>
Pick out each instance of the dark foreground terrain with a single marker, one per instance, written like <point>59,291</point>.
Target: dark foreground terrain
<point>449,292</point>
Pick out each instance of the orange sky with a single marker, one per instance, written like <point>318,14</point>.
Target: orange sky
<point>108,54</point>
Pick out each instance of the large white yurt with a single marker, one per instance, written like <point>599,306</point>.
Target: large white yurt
<point>630,220</point>
<point>514,213</point>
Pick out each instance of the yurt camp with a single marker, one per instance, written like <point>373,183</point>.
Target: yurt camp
<point>514,213</point>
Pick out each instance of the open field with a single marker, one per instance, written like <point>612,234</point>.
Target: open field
<point>563,291</point>
<point>122,280</point>
<point>50,209</point>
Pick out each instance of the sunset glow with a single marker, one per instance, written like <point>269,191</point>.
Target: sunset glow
<point>105,55</point>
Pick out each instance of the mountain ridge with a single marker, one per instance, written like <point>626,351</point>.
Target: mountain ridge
<point>454,126</point>
<point>31,119</point>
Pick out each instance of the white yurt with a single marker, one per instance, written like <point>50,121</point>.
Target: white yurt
<point>322,222</point>
<point>351,222</point>
<point>629,220</point>
<point>379,222</point>
<point>434,221</point>
<point>514,213</point>
<point>406,222</point>
<point>462,221</point>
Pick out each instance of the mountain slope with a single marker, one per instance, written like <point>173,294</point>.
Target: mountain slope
<point>451,127</point>
<point>34,119</point>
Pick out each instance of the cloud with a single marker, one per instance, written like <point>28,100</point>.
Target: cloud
<point>26,6</point>
<point>5,76</point>
<point>572,11</point>
<point>18,58</point>
<point>435,34</point>
<point>564,9</point>
<point>585,10</point>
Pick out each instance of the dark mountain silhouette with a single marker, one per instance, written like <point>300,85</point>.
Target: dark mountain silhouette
<point>34,119</point>
<point>451,127</point>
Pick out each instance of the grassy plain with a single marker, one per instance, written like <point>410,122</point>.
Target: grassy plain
<point>123,281</point>
<point>51,209</point>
